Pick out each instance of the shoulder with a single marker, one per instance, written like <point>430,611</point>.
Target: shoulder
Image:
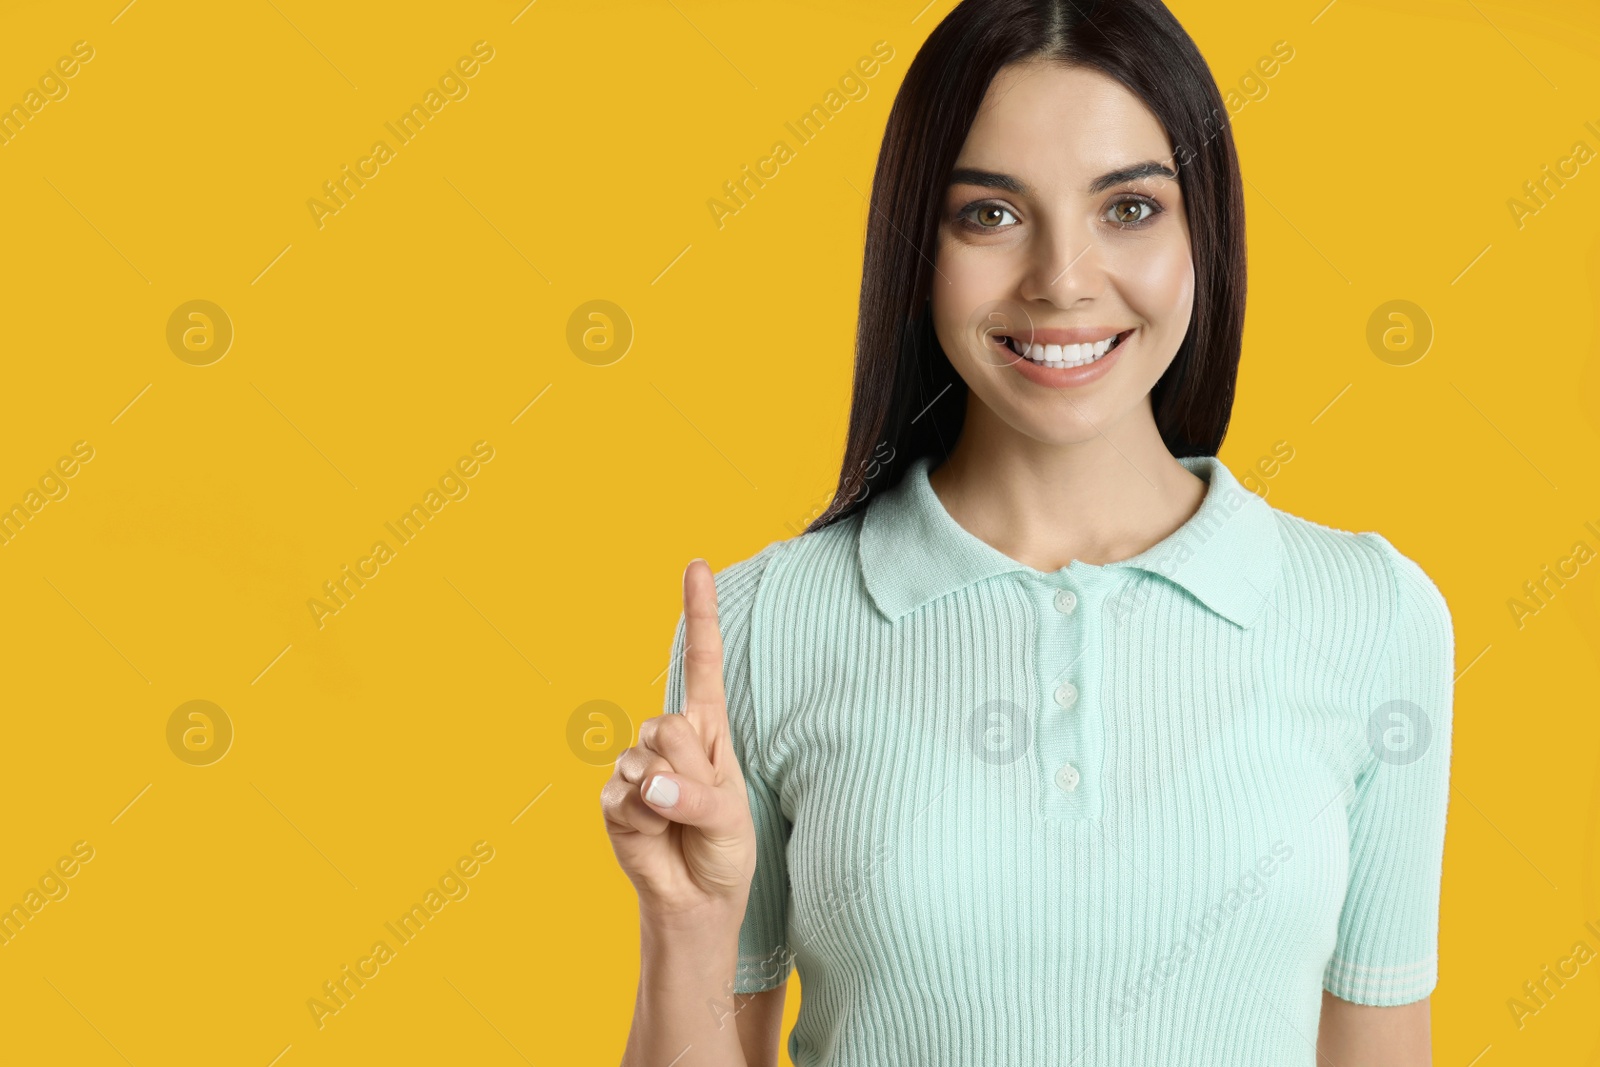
<point>802,569</point>
<point>780,601</point>
<point>739,582</point>
<point>1361,569</point>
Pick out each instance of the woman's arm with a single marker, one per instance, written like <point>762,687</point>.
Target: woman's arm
<point>682,1015</point>
<point>678,814</point>
<point>1357,1035</point>
<point>761,1025</point>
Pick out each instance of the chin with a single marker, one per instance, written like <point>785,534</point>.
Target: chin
<point>1063,425</point>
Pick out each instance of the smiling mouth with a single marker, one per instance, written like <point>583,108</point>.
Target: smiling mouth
<point>1062,355</point>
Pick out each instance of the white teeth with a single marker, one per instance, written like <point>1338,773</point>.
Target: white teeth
<point>1064,355</point>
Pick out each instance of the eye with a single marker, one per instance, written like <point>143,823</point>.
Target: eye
<point>985,210</point>
<point>1123,217</point>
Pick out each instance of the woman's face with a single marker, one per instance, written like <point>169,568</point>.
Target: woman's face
<point>1047,238</point>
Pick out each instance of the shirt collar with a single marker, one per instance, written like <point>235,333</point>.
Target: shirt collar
<point>1227,555</point>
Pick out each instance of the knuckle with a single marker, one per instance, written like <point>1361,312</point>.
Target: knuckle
<point>674,730</point>
<point>613,798</point>
<point>633,762</point>
<point>650,730</point>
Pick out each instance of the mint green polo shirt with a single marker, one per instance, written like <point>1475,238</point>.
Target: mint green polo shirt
<point>1137,813</point>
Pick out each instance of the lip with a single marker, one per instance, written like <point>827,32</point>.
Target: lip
<point>1066,377</point>
<point>1077,335</point>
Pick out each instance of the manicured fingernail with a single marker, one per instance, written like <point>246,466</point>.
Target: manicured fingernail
<point>663,792</point>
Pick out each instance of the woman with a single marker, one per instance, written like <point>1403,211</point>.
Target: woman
<point>1048,743</point>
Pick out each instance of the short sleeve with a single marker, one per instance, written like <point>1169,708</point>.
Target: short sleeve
<point>764,954</point>
<point>1386,953</point>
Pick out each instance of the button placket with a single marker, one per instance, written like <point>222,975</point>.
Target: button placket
<point>1069,737</point>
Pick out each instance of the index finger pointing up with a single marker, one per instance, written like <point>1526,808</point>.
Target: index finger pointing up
<point>704,701</point>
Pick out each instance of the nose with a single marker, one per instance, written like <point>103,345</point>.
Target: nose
<point>1063,267</point>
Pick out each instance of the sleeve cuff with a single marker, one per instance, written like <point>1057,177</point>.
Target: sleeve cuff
<point>757,974</point>
<point>1381,986</point>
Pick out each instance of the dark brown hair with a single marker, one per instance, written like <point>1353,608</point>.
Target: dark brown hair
<point>907,400</point>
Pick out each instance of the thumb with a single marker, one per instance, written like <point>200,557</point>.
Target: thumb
<point>687,801</point>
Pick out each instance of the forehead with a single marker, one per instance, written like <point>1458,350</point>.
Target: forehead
<point>1044,121</point>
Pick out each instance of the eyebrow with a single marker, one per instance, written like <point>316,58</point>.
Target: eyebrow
<point>990,179</point>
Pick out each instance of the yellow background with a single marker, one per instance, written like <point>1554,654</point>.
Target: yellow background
<point>432,310</point>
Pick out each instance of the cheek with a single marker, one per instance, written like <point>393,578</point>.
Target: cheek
<point>1160,284</point>
<point>970,292</point>
<point>964,277</point>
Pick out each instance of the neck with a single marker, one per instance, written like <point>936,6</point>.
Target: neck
<point>1098,500</point>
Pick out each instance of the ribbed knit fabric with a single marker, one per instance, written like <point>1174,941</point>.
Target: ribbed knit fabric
<point>1140,813</point>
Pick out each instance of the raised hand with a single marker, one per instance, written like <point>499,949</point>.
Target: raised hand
<point>676,807</point>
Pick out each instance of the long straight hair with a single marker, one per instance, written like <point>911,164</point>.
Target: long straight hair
<point>907,400</point>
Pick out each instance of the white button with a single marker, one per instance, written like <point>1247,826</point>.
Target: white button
<point>1067,778</point>
<point>1066,601</point>
<point>1067,694</point>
